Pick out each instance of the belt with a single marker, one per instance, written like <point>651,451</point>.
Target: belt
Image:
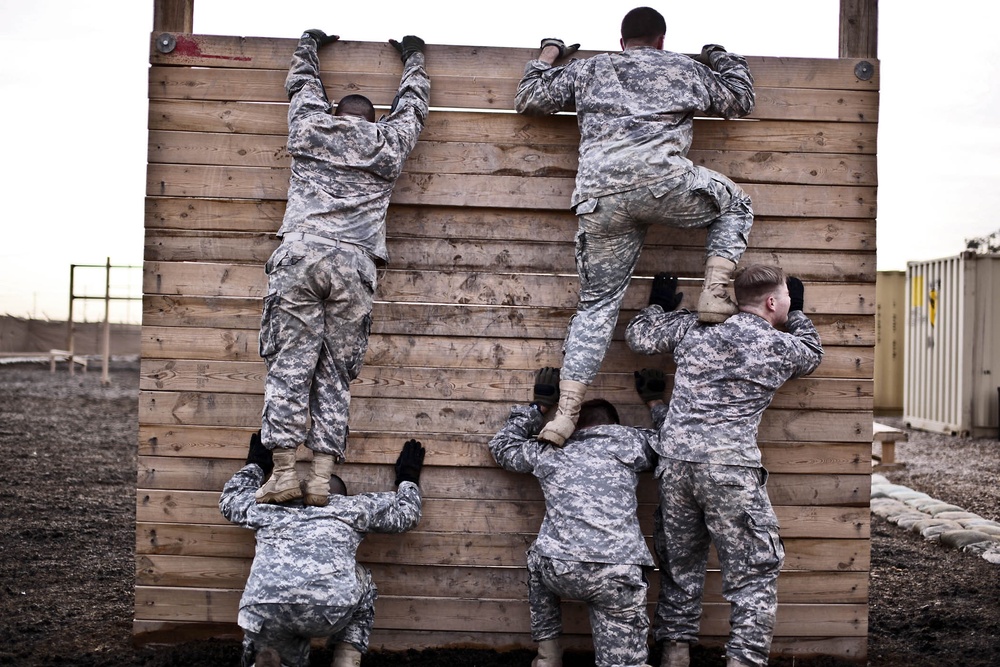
<point>313,238</point>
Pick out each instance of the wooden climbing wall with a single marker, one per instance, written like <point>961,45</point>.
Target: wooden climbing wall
<point>478,295</point>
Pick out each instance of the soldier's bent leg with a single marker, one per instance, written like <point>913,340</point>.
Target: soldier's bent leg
<point>618,615</point>
<point>358,629</point>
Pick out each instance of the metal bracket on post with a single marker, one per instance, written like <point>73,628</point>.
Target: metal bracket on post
<point>864,70</point>
<point>165,43</point>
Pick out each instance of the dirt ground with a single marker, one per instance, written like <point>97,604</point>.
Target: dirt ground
<point>67,511</point>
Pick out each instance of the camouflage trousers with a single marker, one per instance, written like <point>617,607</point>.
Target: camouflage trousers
<point>610,236</point>
<point>702,504</point>
<point>289,628</point>
<point>615,595</point>
<point>313,337</point>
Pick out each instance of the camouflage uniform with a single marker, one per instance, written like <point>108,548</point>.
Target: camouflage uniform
<point>635,112</point>
<point>712,485</point>
<point>589,546</point>
<point>305,581</point>
<point>322,278</point>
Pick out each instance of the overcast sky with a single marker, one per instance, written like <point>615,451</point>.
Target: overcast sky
<point>73,80</point>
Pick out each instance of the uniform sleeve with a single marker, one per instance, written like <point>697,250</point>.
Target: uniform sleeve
<point>513,447</point>
<point>238,495</point>
<point>647,456</point>
<point>545,89</point>
<point>806,350</point>
<point>303,85</point>
<point>409,109</point>
<point>729,84</point>
<point>391,512</point>
<point>654,331</point>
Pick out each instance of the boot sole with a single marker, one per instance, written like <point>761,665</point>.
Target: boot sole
<point>279,496</point>
<point>315,500</point>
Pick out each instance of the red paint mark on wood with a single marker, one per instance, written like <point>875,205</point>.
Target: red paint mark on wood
<point>191,48</point>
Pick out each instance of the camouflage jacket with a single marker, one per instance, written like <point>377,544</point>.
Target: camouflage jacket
<point>306,555</point>
<point>726,376</point>
<point>343,167</point>
<point>635,110</point>
<point>589,486</point>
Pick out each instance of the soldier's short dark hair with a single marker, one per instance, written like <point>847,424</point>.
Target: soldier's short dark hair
<point>755,282</point>
<point>595,412</point>
<point>357,105</point>
<point>337,485</point>
<point>643,22</point>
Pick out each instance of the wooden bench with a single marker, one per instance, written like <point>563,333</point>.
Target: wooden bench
<point>887,436</point>
<point>52,355</point>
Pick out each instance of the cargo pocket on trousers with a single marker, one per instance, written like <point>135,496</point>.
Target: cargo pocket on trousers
<point>765,549</point>
<point>353,364</point>
<point>267,342</point>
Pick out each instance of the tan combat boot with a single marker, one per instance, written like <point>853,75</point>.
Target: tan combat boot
<point>571,395</point>
<point>676,654</point>
<point>549,654</point>
<point>715,305</point>
<point>317,488</point>
<point>284,482</point>
<point>345,655</point>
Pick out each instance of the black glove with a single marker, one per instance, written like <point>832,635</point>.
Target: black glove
<point>650,383</point>
<point>322,39</point>
<point>664,292</point>
<point>796,291</point>
<point>707,51</point>
<point>409,463</point>
<point>564,51</point>
<point>410,45</point>
<point>546,390</point>
<point>260,455</point>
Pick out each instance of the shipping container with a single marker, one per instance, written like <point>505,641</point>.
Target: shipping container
<point>952,371</point>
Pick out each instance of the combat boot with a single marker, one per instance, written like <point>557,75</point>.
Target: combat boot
<point>549,654</point>
<point>676,654</point>
<point>284,482</point>
<point>571,395</point>
<point>345,655</point>
<point>715,305</point>
<point>317,486</point>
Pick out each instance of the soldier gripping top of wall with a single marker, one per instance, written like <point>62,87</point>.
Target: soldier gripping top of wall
<point>635,111</point>
<point>589,546</point>
<point>322,277</point>
<point>710,476</point>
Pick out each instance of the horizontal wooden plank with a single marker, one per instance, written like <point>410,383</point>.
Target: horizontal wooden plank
<point>461,549</point>
<point>471,287</point>
<point>470,384</point>
<point>194,50</point>
<point>467,91</point>
<point>227,220</point>
<point>471,451</point>
<point>466,417</point>
<point>511,583</point>
<point>513,159</point>
<point>458,516</point>
<point>442,320</point>
<point>398,641</point>
<point>457,352</point>
<point>561,130</point>
<point>507,615</point>
<point>488,483</point>
<point>477,190</point>
<point>500,256</point>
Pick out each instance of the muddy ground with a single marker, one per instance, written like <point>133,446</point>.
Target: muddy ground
<point>67,511</point>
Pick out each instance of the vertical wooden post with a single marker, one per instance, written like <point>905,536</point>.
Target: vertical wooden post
<point>173,16</point>
<point>70,342</point>
<point>106,344</point>
<point>859,29</point>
